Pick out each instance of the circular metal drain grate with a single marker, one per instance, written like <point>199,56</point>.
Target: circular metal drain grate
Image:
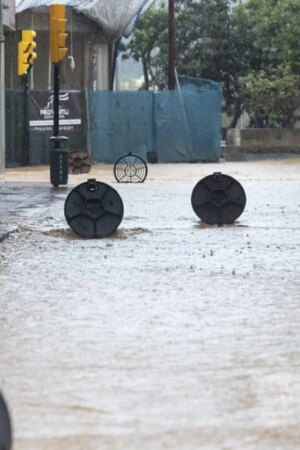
<point>130,169</point>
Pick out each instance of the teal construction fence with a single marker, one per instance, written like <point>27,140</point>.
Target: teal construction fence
<point>181,126</point>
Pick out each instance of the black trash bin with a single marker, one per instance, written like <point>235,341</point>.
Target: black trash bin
<point>59,159</point>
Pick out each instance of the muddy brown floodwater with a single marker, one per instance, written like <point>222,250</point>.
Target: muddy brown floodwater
<point>168,335</point>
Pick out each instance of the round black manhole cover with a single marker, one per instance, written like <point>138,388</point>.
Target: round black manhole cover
<point>218,199</point>
<point>94,209</point>
<point>5,426</point>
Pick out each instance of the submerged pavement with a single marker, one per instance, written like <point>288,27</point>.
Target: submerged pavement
<point>18,198</point>
<point>170,334</point>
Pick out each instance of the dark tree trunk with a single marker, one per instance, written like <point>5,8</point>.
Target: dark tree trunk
<point>172,47</point>
<point>237,110</point>
<point>146,73</point>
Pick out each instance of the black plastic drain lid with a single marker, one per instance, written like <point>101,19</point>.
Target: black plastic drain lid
<point>94,209</point>
<point>5,426</point>
<point>218,199</point>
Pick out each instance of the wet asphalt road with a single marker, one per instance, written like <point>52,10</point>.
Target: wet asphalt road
<point>168,335</point>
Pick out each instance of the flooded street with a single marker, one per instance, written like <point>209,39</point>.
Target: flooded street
<point>170,334</point>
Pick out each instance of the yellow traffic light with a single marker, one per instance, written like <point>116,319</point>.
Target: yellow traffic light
<point>26,53</point>
<point>23,65</point>
<point>29,36</point>
<point>58,35</point>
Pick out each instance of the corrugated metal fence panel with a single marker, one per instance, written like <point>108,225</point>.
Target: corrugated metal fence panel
<point>14,128</point>
<point>120,122</point>
<point>181,126</point>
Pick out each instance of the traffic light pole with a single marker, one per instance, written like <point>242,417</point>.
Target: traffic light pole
<point>56,99</point>
<point>26,57</point>
<point>172,47</point>
<point>59,153</point>
<point>25,119</point>
<point>2,95</point>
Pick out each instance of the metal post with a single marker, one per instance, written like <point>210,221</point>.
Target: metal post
<point>25,120</point>
<point>172,46</point>
<point>59,152</point>
<point>2,94</point>
<point>56,100</point>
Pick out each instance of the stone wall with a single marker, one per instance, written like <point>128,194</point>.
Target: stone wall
<point>259,143</point>
<point>264,138</point>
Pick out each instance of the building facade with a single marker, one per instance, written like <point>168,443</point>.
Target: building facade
<point>87,66</point>
<point>7,22</point>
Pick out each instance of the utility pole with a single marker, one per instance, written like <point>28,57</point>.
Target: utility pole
<point>172,47</point>
<point>2,93</point>
<point>59,152</point>
<point>26,57</point>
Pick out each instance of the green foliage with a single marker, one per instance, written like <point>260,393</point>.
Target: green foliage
<point>275,24</point>
<point>149,45</point>
<point>270,89</point>
<point>212,44</point>
<point>252,47</point>
<point>272,97</point>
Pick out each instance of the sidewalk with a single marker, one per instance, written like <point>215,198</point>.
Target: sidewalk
<point>15,198</point>
<point>27,191</point>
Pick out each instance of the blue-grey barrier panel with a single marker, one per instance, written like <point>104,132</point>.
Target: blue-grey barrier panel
<point>181,126</point>
<point>120,122</point>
